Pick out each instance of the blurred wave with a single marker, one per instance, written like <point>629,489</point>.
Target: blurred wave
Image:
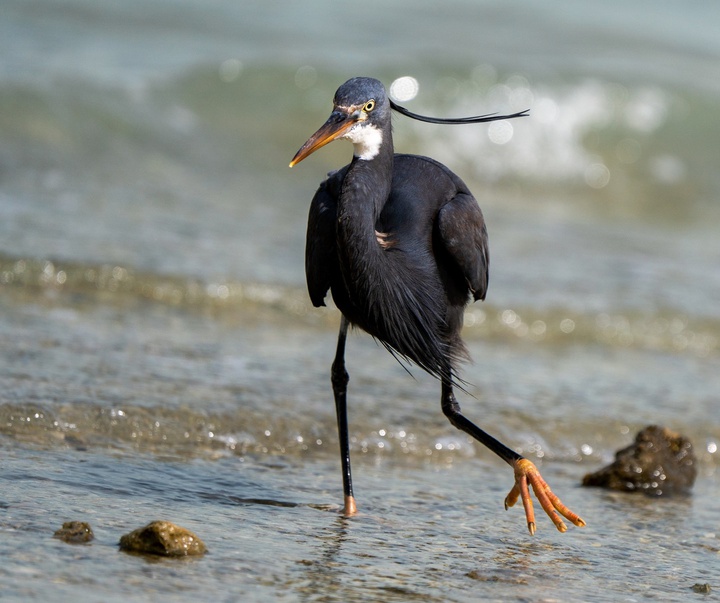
<point>664,331</point>
<point>632,149</point>
<point>234,409</point>
<point>638,147</point>
<point>188,175</point>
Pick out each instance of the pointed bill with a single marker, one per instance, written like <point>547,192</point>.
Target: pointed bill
<point>335,127</point>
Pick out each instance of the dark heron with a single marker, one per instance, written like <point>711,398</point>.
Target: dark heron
<point>401,243</point>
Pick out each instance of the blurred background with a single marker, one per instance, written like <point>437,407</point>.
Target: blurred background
<point>152,239</point>
<point>156,136</point>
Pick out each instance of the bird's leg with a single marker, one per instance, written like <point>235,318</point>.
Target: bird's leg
<point>525,471</point>
<point>340,378</point>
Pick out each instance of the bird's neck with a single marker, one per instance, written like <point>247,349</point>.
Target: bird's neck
<point>363,261</point>
<point>366,189</point>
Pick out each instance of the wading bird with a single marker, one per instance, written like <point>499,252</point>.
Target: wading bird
<point>401,243</point>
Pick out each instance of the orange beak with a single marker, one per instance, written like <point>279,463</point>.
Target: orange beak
<point>337,124</point>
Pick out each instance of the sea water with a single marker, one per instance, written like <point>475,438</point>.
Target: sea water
<point>161,360</point>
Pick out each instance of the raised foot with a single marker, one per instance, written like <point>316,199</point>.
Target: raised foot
<point>526,472</point>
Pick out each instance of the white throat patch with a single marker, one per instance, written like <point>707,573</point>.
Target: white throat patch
<point>366,140</point>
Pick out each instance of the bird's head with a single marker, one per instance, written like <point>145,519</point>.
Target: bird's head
<point>361,114</point>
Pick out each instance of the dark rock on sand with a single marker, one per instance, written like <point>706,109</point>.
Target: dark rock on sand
<point>75,532</point>
<point>659,462</point>
<point>163,538</point>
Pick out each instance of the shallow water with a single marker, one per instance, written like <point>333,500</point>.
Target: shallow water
<point>425,533</point>
<point>160,358</point>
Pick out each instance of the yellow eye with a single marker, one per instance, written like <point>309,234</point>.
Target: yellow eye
<point>369,106</point>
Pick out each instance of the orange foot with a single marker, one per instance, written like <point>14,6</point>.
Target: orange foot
<point>526,472</point>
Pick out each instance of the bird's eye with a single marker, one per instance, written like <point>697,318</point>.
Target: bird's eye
<point>369,106</point>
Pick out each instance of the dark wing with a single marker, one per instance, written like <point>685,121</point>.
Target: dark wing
<point>321,259</point>
<point>462,230</point>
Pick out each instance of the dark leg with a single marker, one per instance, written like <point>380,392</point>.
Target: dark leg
<point>452,411</point>
<point>340,378</point>
<point>525,471</point>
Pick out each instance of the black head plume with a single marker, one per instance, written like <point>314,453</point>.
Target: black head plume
<point>477,119</point>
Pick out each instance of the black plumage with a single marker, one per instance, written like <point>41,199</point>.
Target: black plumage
<point>401,243</point>
<point>382,267</point>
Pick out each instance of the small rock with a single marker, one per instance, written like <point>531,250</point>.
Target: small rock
<point>659,462</point>
<point>703,589</point>
<point>75,532</point>
<point>163,538</point>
